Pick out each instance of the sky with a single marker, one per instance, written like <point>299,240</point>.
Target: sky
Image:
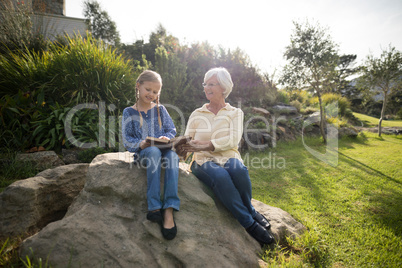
<point>262,29</point>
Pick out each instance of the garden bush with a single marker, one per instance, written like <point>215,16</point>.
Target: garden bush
<point>85,71</point>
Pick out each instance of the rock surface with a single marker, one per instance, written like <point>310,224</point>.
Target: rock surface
<point>106,225</point>
<point>43,160</point>
<point>29,205</point>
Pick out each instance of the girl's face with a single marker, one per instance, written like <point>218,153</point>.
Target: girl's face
<point>213,90</point>
<point>148,91</point>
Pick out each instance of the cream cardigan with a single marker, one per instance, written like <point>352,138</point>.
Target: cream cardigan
<point>224,130</point>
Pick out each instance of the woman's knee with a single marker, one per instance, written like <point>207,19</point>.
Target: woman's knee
<point>235,166</point>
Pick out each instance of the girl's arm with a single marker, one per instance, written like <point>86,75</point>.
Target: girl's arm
<point>132,138</point>
<point>168,127</point>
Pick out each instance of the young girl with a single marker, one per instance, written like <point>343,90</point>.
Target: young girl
<point>148,118</point>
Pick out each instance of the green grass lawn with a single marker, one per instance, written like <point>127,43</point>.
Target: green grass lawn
<point>353,211</point>
<point>369,121</point>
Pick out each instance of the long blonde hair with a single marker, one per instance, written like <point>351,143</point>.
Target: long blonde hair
<point>149,76</point>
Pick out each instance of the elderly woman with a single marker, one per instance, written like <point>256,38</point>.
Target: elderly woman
<point>216,129</point>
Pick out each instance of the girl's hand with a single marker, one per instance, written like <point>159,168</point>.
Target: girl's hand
<point>163,138</point>
<point>198,146</point>
<point>144,144</point>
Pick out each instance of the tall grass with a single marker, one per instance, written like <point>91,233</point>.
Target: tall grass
<point>352,211</point>
<point>82,71</point>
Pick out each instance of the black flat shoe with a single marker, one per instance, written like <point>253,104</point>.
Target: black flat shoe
<point>155,216</point>
<point>260,234</point>
<point>262,220</point>
<point>169,234</point>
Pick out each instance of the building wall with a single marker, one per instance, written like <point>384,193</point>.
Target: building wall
<point>53,25</point>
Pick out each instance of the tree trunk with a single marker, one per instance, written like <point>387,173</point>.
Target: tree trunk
<point>384,104</point>
<point>322,118</point>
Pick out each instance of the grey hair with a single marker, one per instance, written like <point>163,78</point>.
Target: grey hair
<point>224,79</point>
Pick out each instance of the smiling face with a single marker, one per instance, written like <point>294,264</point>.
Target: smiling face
<point>214,91</point>
<point>148,91</point>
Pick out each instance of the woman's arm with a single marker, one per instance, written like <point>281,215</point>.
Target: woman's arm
<point>233,132</point>
<point>198,146</point>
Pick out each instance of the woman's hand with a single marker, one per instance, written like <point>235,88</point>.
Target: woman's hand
<point>198,146</point>
<point>163,138</point>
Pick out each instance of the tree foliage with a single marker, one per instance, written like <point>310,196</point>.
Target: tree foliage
<point>312,60</point>
<point>383,76</point>
<point>345,69</point>
<point>100,25</point>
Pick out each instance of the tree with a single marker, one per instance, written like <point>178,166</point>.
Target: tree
<point>382,76</point>
<point>159,38</point>
<point>345,69</point>
<point>100,24</point>
<point>173,73</point>
<point>248,85</point>
<point>312,58</point>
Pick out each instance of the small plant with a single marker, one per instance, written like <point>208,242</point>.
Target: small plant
<point>12,170</point>
<point>50,128</point>
<point>9,253</point>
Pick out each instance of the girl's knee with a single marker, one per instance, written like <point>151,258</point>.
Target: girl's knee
<point>172,156</point>
<point>152,151</point>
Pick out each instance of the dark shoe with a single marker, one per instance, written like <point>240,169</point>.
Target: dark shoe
<point>260,234</point>
<point>155,216</point>
<point>262,221</point>
<point>168,234</point>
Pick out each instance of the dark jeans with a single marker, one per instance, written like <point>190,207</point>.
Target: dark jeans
<point>231,184</point>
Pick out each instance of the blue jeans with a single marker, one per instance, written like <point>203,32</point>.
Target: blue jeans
<point>231,184</point>
<point>154,158</point>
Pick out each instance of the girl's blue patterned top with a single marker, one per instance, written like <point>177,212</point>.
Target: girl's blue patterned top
<point>133,134</point>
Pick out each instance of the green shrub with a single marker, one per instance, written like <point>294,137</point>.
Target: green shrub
<point>399,114</point>
<point>83,71</point>
<point>88,71</point>
<point>309,110</point>
<point>301,96</point>
<point>331,100</point>
<point>296,104</point>
<point>50,127</point>
<point>283,97</point>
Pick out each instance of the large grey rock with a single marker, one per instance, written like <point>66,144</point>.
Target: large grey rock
<point>106,225</point>
<point>43,160</point>
<point>284,109</point>
<point>29,205</point>
<point>348,132</point>
<point>282,223</point>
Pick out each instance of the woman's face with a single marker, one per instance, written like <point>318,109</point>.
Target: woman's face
<point>148,91</point>
<point>213,90</point>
